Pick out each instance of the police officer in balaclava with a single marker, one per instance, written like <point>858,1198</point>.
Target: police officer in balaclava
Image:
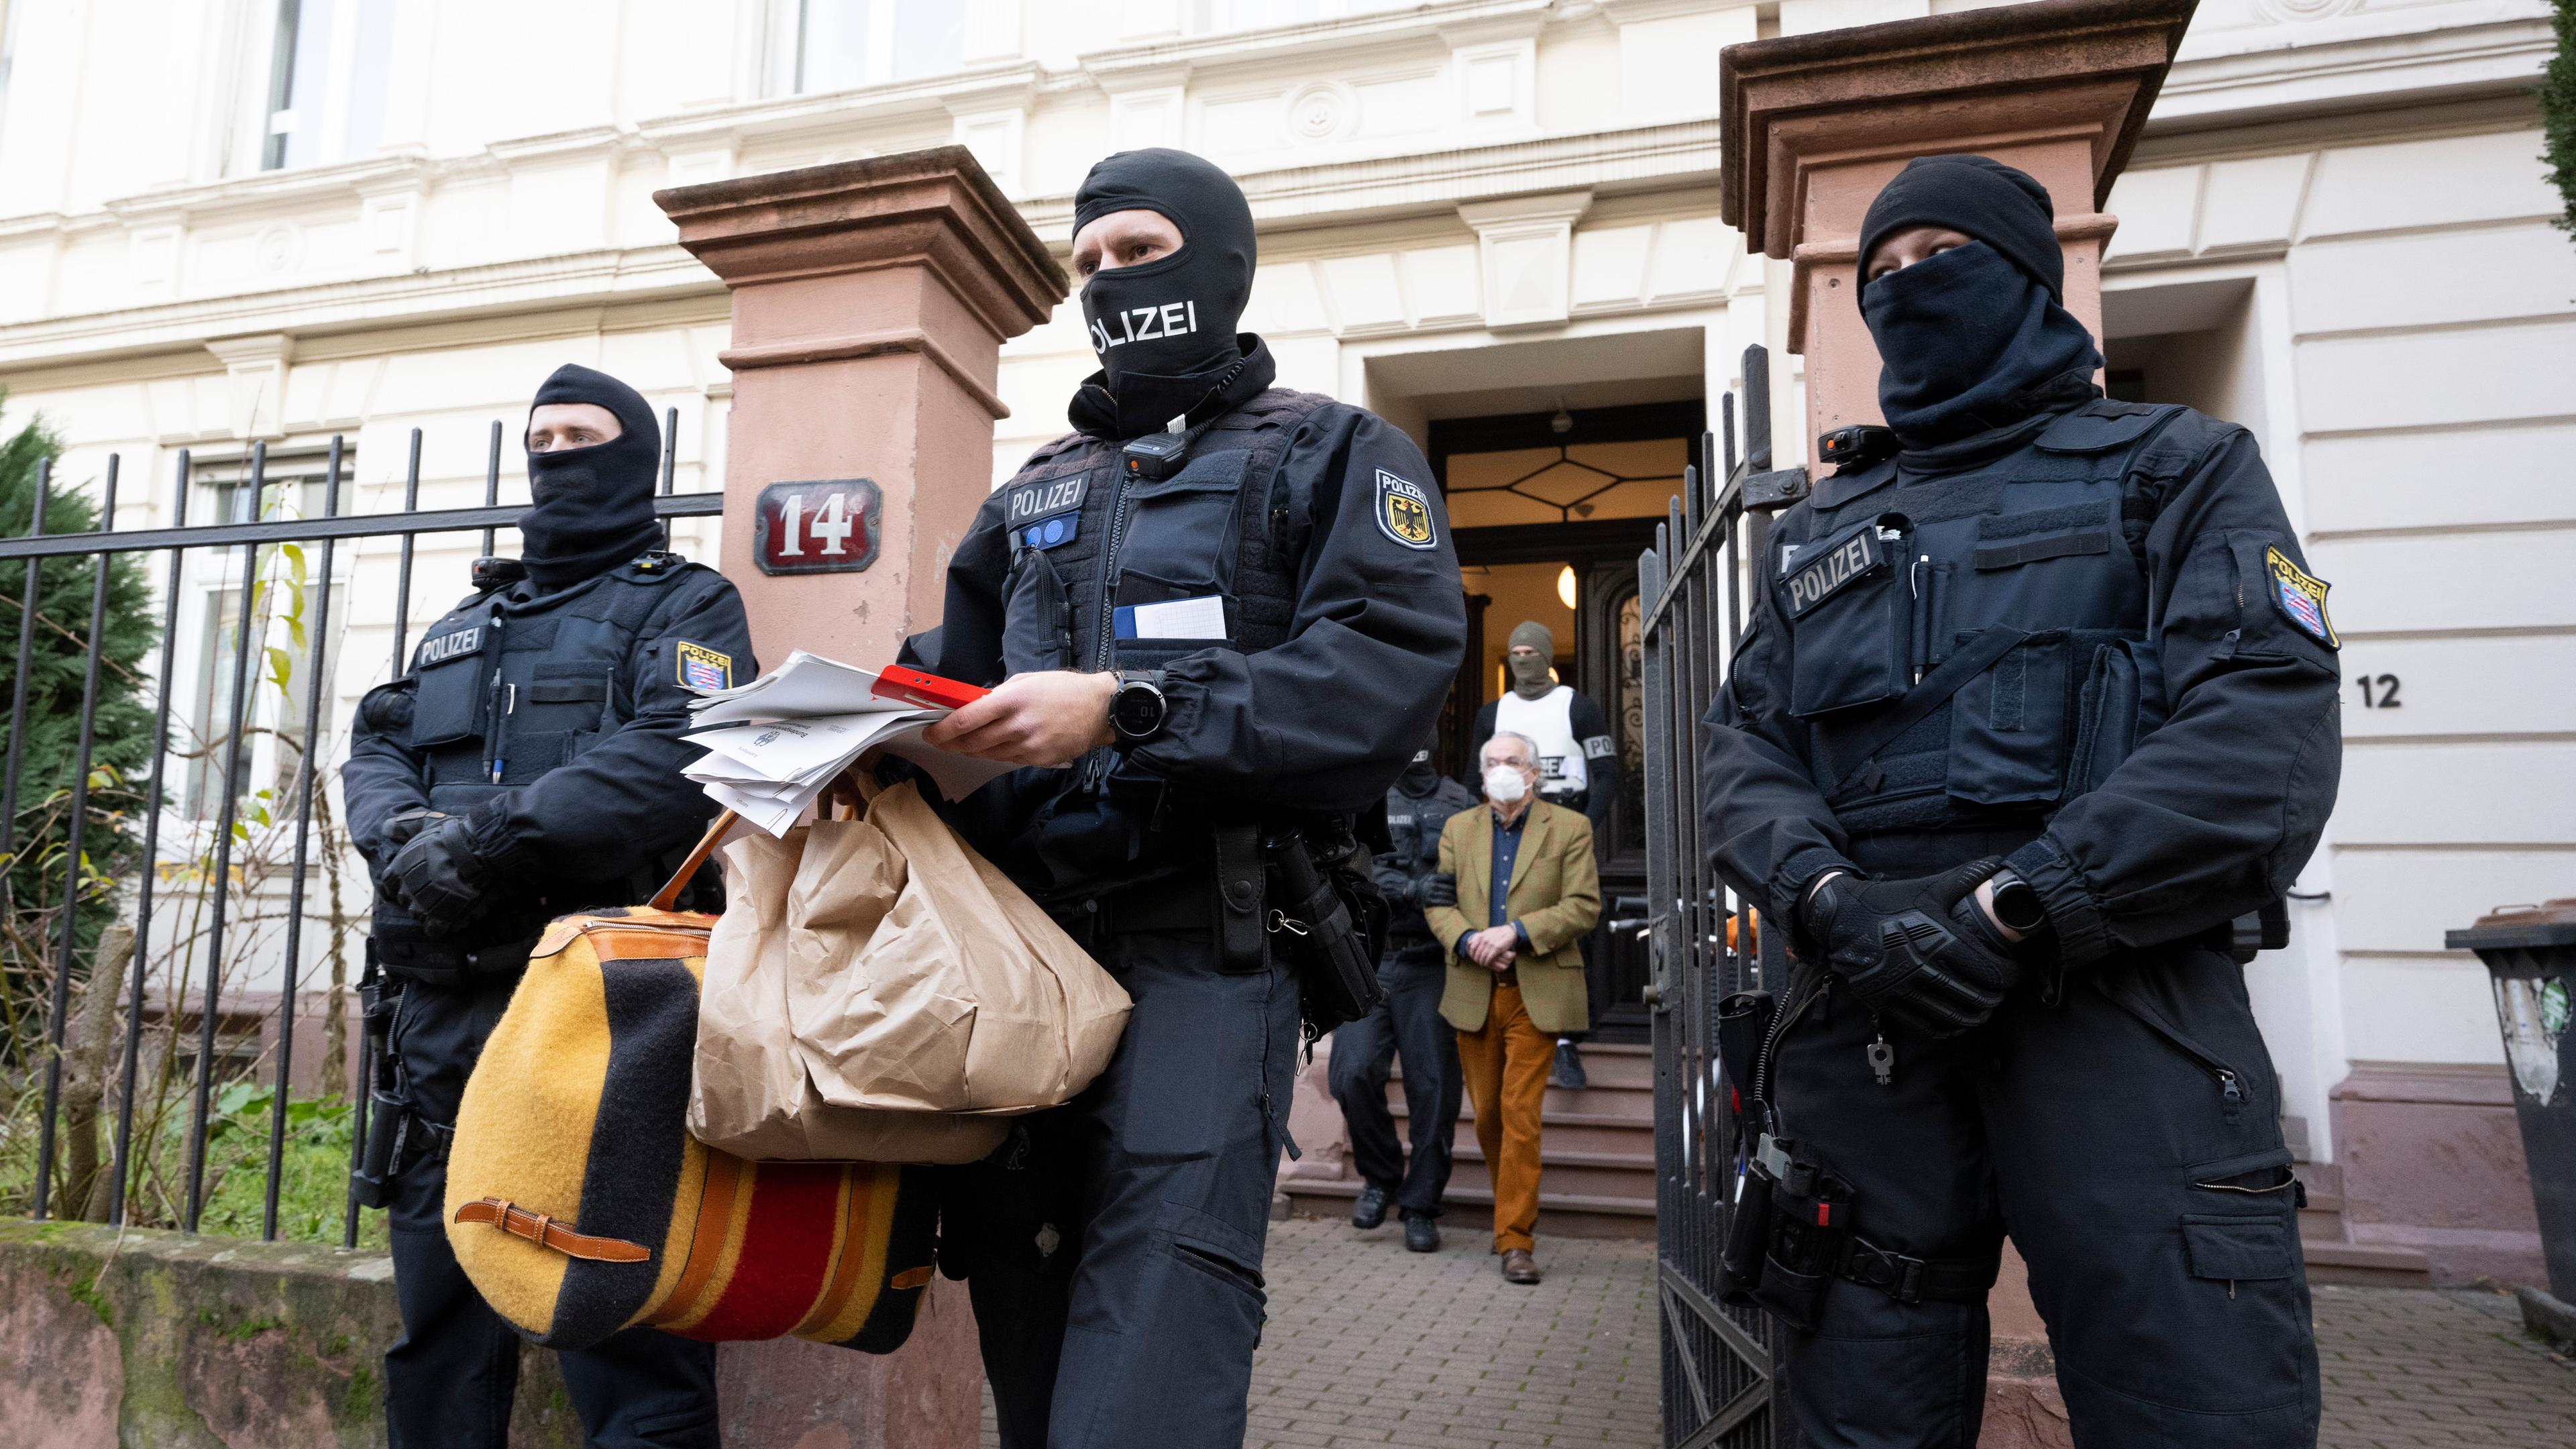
<point>1578,768</point>
<point>1406,1023</point>
<point>528,766</point>
<point>1218,618</point>
<point>2037,703</point>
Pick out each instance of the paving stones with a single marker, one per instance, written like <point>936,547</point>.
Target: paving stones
<point>1369,1344</point>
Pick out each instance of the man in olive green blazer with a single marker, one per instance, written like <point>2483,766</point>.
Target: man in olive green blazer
<point>1527,891</point>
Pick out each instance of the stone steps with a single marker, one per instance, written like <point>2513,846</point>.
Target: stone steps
<point>1596,1154</point>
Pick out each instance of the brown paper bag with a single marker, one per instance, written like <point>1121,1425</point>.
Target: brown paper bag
<point>876,990</point>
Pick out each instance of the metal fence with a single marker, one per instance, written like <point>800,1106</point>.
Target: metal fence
<point>295,811</point>
<point>1718,1364</point>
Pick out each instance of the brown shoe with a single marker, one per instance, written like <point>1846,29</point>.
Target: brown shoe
<point>1519,1266</point>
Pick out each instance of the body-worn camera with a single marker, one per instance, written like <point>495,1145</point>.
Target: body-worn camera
<point>497,573</point>
<point>1155,455</point>
<point>1856,446</point>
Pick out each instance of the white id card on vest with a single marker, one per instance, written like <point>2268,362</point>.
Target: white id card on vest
<point>1201,618</point>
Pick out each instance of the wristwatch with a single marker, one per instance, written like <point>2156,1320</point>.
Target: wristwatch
<point>1137,708</point>
<point>2017,905</point>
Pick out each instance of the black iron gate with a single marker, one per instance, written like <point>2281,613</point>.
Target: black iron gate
<point>1717,1361</point>
<point>213,856</point>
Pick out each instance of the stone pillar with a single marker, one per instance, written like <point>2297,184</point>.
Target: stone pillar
<point>1812,126</point>
<point>871,299</point>
<point>870,303</point>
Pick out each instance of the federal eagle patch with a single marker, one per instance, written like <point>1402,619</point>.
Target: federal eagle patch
<point>1404,512</point>
<point>702,668</point>
<point>2301,598</point>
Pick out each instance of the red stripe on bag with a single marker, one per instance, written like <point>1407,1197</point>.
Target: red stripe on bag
<point>787,1245</point>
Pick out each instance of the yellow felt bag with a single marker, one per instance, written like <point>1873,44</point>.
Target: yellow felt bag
<point>578,1204</point>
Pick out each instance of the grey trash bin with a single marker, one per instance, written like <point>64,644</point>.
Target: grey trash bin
<point>2530,952</point>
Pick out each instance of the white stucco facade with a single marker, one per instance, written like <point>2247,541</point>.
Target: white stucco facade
<point>2335,230</point>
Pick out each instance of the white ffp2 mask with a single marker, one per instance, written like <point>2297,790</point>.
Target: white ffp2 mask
<point>1505,784</point>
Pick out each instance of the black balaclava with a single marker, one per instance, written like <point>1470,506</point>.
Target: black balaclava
<point>1165,330</point>
<point>593,507</point>
<point>1974,338</point>
<point>1420,776</point>
<point>1529,676</point>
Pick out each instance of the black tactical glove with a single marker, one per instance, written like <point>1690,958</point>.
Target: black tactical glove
<point>1919,951</point>
<point>1438,889</point>
<point>398,833</point>
<point>439,878</point>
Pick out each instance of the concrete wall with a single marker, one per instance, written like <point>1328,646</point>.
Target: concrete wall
<point>149,1340</point>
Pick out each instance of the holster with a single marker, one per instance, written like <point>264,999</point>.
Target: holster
<point>1335,954</point>
<point>388,1091</point>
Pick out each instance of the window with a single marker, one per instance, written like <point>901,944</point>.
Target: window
<point>326,81</point>
<point>839,45</point>
<point>8,47</point>
<point>264,752</point>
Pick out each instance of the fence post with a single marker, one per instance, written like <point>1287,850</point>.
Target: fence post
<point>870,303</point>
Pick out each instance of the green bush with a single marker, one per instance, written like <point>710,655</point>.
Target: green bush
<point>2558,111</point>
<point>33,874</point>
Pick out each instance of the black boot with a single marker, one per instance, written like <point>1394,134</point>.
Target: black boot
<point>1370,1210</point>
<point>1421,1235</point>
<point>1568,1071</point>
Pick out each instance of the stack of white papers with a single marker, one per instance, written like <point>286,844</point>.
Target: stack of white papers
<point>776,743</point>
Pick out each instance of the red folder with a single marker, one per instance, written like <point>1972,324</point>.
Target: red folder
<point>927,690</point>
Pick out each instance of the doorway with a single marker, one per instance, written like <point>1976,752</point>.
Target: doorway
<point>1549,512</point>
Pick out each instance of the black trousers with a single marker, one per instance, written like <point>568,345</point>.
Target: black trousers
<point>1406,1025</point>
<point>450,1378</point>
<point>2128,1139</point>
<point>1113,1247</point>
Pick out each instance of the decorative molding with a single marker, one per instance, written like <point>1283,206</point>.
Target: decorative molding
<point>257,368</point>
<point>1525,254</point>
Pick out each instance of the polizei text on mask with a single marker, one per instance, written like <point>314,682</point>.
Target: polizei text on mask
<point>1144,324</point>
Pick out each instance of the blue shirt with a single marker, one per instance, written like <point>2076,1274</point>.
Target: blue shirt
<point>1507,848</point>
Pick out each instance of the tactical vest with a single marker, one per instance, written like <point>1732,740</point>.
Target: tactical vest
<point>1971,648</point>
<point>510,689</point>
<point>1090,547</point>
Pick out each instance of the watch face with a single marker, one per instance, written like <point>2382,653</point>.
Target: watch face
<point>2017,906</point>
<point>1137,710</point>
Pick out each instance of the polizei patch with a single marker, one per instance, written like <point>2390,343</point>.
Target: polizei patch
<point>450,645</point>
<point>2301,598</point>
<point>1818,579</point>
<point>1042,515</point>
<point>704,668</point>
<point>1404,512</point>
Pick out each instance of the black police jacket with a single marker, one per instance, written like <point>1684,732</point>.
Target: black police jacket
<point>2095,630</point>
<point>1413,825</point>
<point>1315,528</point>
<point>576,699</point>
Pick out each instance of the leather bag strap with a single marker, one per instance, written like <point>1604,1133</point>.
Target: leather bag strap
<point>547,1232</point>
<point>668,897</point>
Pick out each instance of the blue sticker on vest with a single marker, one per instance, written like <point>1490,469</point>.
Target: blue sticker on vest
<point>1815,582</point>
<point>2301,597</point>
<point>1036,502</point>
<point>1056,530</point>
<point>1404,512</point>
<point>450,645</point>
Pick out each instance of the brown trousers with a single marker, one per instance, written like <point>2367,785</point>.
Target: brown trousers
<point>1506,1070</point>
